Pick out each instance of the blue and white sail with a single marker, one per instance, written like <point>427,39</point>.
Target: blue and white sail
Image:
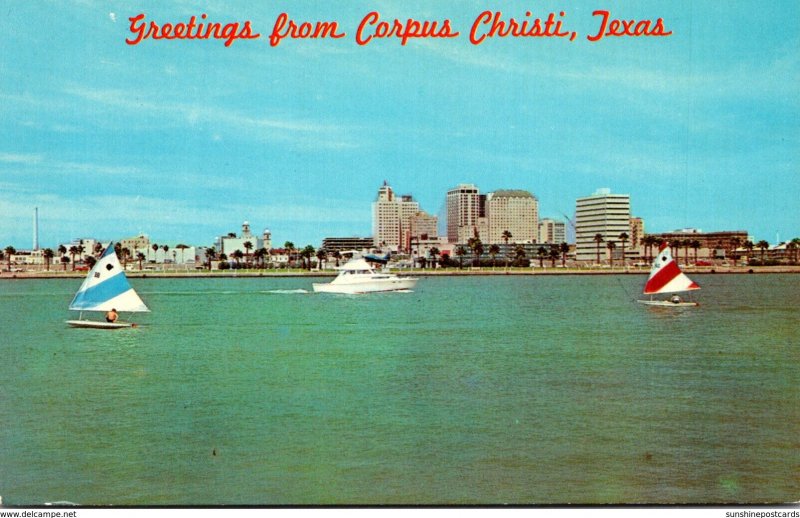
<point>106,288</point>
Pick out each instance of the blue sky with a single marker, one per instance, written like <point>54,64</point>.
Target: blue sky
<point>183,140</point>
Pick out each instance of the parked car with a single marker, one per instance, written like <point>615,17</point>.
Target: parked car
<point>702,263</point>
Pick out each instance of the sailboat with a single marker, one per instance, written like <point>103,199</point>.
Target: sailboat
<point>106,288</point>
<point>667,277</point>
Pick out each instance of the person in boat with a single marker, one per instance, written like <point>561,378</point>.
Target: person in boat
<point>112,316</point>
<point>675,299</point>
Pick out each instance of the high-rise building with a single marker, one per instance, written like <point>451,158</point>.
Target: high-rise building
<point>552,231</point>
<point>423,226</point>
<point>636,233</point>
<point>515,211</point>
<point>601,213</point>
<point>391,216</point>
<point>465,205</point>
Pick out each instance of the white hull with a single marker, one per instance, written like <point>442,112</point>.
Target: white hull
<point>366,285</point>
<point>667,303</point>
<point>94,324</point>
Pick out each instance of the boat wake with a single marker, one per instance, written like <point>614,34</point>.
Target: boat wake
<point>287,292</point>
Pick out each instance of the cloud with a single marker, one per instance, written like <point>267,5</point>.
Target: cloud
<point>289,129</point>
<point>17,158</point>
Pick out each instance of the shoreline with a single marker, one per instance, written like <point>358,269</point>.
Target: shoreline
<point>228,274</point>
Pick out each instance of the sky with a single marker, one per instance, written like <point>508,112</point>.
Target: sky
<point>183,140</point>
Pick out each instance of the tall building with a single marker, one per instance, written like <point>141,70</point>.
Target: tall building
<point>35,229</point>
<point>637,233</point>
<point>423,226</point>
<point>601,213</point>
<point>391,216</point>
<point>465,205</point>
<point>515,211</point>
<point>552,231</point>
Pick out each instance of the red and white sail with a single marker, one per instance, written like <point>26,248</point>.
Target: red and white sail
<point>665,276</point>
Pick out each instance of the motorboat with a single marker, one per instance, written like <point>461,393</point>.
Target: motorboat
<point>360,276</point>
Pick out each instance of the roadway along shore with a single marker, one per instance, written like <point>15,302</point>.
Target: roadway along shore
<point>161,274</point>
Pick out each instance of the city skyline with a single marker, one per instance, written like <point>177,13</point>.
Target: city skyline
<point>180,139</point>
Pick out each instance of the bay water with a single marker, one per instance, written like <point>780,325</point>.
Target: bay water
<point>468,390</point>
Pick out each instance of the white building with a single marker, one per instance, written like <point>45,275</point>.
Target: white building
<point>231,243</point>
<point>515,211</point>
<point>465,205</point>
<point>391,219</point>
<point>552,231</point>
<point>601,213</point>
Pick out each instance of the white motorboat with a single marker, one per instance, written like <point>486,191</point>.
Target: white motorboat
<point>359,276</point>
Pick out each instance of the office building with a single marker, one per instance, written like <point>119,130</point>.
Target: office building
<point>601,213</point>
<point>515,211</point>
<point>552,231</point>
<point>465,205</point>
<point>391,215</point>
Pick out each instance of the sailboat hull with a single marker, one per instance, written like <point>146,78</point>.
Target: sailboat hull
<point>667,303</point>
<point>94,324</point>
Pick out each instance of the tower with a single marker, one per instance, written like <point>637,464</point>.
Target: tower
<point>36,228</point>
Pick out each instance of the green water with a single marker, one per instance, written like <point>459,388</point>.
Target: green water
<point>470,390</point>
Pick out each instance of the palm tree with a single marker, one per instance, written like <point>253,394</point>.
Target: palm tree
<point>460,251</point>
<point>155,249</point>
<point>322,255</point>
<point>623,237</point>
<point>337,255</point>
<point>506,236</point>
<point>73,250</point>
<point>434,252</point>
<point>564,249</point>
<point>695,244</point>
<point>611,247</point>
<point>494,249</point>
<point>98,248</point>
<point>237,256</point>
<point>519,254</point>
<point>258,257</point>
<point>307,254</point>
<point>541,253</point>
<point>48,255</point>
<point>792,247</point>
<point>140,257</point>
<point>762,245</point>
<point>64,261</point>
<point>649,242</point>
<point>735,244</point>
<point>748,245</point>
<point>165,248</point>
<point>555,252</point>
<point>289,246</point>
<point>476,246</point>
<point>211,254</point>
<point>247,247</point>
<point>675,246</point>
<point>62,250</point>
<point>598,238</point>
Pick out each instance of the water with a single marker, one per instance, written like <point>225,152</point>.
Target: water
<point>468,390</point>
